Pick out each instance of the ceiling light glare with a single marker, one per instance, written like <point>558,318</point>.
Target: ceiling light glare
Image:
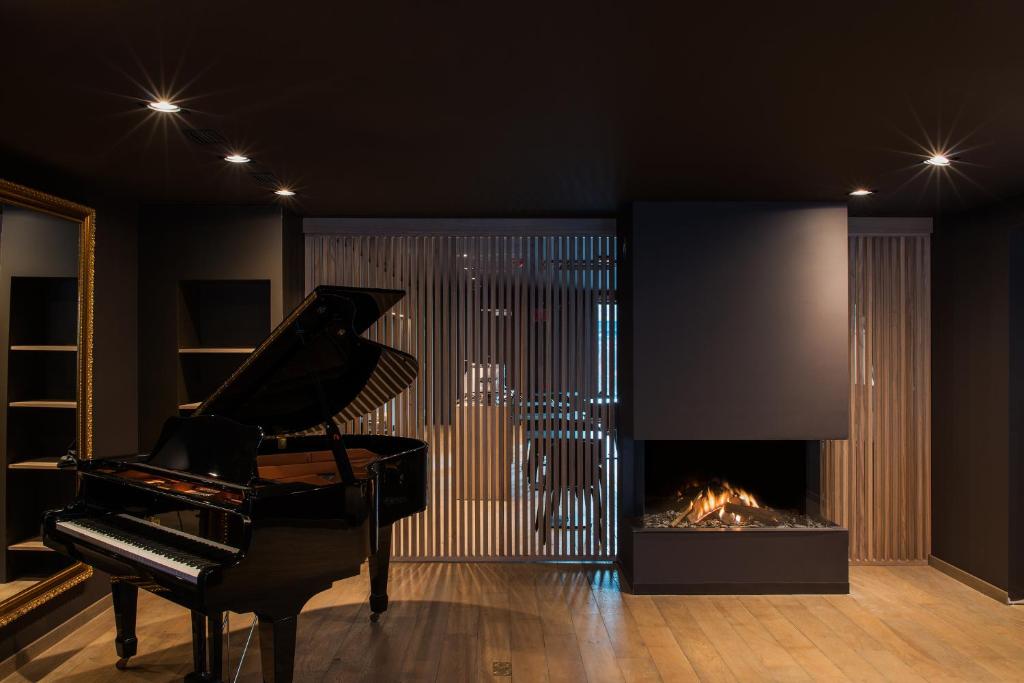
<point>163,106</point>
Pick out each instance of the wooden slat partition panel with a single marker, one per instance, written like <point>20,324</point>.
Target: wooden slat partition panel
<point>877,483</point>
<point>515,336</point>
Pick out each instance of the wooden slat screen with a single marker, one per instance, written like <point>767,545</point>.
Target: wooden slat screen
<point>515,336</point>
<point>877,483</point>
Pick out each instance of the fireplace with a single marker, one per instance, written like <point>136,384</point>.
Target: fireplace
<point>729,517</point>
<point>734,361</point>
<point>731,484</point>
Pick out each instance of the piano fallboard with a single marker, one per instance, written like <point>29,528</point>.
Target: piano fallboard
<point>177,486</point>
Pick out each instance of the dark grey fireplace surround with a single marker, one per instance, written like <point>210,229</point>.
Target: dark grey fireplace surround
<point>733,327</point>
<point>739,562</point>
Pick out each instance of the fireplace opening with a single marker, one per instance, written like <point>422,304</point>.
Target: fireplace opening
<point>732,484</point>
<point>749,511</point>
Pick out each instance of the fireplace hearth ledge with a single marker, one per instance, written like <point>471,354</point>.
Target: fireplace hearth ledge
<point>736,561</point>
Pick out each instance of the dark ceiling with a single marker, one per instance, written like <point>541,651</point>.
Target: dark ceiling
<point>512,109</point>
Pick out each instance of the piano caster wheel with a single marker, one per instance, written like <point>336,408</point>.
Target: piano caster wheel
<point>122,664</point>
<point>375,617</point>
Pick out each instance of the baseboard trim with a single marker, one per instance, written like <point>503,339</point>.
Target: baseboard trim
<point>970,580</point>
<point>43,643</point>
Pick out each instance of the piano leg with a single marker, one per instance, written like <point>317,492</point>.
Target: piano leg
<point>125,596</point>
<point>277,647</point>
<point>379,563</point>
<point>215,641</point>
<point>207,648</point>
<point>198,649</point>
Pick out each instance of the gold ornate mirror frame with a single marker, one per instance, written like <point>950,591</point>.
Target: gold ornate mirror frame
<point>18,195</point>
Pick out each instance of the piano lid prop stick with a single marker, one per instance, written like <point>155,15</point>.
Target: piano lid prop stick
<point>340,454</point>
<point>330,428</point>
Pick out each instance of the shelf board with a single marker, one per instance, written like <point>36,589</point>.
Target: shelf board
<point>44,404</point>
<point>32,544</point>
<point>35,464</point>
<point>189,406</point>
<point>44,347</point>
<point>216,349</point>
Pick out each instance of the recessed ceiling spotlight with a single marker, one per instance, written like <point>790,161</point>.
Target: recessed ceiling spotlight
<point>237,158</point>
<point>938,160</point>
<point>163,106</point>
<point>861,192</point>
<point>284,192</point>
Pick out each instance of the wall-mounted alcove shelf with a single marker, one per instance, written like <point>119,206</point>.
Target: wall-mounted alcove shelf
<point>217,280</point>
<point>35,464</point>
<point>46,347</point>
<point>219,323</point>
<point>31,544</point>
<point>71,405</point>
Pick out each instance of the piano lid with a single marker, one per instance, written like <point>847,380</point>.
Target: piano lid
<point>314,366</point>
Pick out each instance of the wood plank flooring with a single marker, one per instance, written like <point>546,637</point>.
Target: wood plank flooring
<point>454,622</point>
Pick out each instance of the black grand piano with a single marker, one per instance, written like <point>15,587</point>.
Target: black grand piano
<point>257,502</point>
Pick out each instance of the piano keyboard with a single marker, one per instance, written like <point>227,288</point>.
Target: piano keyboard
<point>170,530</point>
<point>162,551</point>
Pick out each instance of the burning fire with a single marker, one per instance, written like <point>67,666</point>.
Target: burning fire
<point>714,498</point>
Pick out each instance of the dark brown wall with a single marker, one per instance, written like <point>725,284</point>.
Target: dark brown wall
<point>1015,579</point>
<point>115,352</point>
<point>972,477</point>
<point>116,389</point>
<point>736,315</point>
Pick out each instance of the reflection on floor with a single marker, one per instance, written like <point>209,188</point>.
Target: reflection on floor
<point>463,622</point>
<point>12,588</point>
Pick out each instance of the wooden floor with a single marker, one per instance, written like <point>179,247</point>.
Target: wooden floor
<point>12,588</point>
<point>453,622</point>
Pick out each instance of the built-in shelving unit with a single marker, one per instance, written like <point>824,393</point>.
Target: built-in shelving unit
<point>41,414</point>
<point>217,280</point>
<point>220,322</point>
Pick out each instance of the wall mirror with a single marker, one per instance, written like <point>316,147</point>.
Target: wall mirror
<point>47,249</point>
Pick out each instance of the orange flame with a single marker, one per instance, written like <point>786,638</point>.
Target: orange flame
<point>715,496</point>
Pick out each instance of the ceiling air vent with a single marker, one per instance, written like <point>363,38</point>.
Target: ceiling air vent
<point>266,178</point>
<point>205,136</point>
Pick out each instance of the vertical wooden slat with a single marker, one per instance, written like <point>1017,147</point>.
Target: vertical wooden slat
<point>546,405</point>
<point>876,483</point>
<point>533,372</point>
<point>461,530</point>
